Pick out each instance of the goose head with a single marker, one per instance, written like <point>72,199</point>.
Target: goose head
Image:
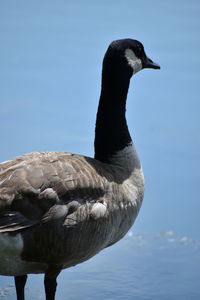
<point>127,56</point>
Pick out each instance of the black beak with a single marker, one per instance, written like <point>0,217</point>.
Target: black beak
<point>148,63</point>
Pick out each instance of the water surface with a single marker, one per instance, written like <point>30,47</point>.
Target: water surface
<point>50,58</point>
<point>160,266</point>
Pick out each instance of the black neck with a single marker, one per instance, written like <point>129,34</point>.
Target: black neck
<point>112,133</point>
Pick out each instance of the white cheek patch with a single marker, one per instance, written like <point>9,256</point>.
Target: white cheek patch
<point>133,60</point>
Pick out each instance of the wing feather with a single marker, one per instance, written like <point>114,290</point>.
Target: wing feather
<point>31,184</point>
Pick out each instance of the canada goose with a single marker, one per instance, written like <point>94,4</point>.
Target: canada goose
<point>58,209</point>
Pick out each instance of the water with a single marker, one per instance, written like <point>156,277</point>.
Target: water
<point>50,57</point>
<point>160,266</point>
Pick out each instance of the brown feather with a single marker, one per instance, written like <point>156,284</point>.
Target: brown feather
<point>31,184</point>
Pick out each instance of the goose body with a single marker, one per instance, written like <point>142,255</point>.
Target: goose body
<point>74,210</point>
<point>59,209</point>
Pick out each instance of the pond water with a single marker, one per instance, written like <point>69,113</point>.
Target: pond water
<point>161,266</point>
<point>50,58</point>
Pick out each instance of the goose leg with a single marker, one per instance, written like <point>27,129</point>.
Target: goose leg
<point>50,283</point>
<point>20,282</point>
<point>50,287</point>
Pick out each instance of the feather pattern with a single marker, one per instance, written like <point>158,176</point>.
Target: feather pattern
<point>69,192</point>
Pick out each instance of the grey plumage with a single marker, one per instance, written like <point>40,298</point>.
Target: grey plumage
<point>34,182</point>
<point>73,202</point>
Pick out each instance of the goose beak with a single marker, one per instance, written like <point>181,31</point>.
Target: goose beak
<point>148,63</point>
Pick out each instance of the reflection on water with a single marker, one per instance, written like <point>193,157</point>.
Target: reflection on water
<point>161,266</point>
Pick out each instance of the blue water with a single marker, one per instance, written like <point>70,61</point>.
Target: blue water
<point>160,266</point>
<point>50,68</point>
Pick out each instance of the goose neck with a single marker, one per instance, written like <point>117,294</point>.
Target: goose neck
<point>111,134</point>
